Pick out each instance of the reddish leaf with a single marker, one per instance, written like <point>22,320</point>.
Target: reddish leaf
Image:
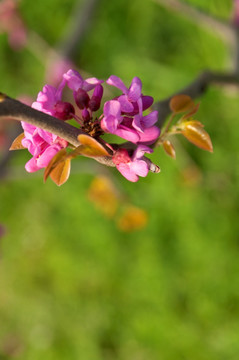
<point>169,149</point>
<point>194,132</point>
<point>181,103</point>
<point>57,159</point>
<point>61,172</point>
<point>17,143</point>
<point>90,147</point>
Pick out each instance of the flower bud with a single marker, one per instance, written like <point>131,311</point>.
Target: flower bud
<point>86,115</point>
<point>64,110</point>
<point>81,98</point>
<point>94,103</point>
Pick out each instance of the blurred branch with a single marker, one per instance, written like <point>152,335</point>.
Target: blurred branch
<point>195,89</point>
<point>79,25</point>
<point>199,17</point>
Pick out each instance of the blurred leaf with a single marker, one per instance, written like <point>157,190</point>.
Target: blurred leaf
<point>181,103</point>
<point>194,132</point>
<point>90,147</point>
<point>103,194</point>
<point>61,172</point>
<point>169,149</point>
<point>132,219</point>
<point>17,143</point>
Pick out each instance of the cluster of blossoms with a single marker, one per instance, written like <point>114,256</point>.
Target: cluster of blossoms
<point>122,116</point>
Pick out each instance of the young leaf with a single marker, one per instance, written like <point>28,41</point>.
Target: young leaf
<point>59,157</point>
<point>17,143</point>
<point>194,132</point>
<point>181,103</point>
<point>191,112</point>
<point>61,172</point>
<point>90,147</point>
<point>169,149</point>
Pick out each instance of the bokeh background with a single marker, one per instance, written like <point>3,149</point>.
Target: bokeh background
<point>74,282</point>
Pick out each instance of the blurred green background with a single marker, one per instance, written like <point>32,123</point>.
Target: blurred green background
<point>72,284</point>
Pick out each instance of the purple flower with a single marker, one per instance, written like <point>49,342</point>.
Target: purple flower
<point>75,81</point>
<point>42,145</point>
<point>137,130</point>
<point>132,167</point>
<point>116,124</point>
<point>130,96</point>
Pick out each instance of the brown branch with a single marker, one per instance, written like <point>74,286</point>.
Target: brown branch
<point>195,89</point>
<point>13,109</point>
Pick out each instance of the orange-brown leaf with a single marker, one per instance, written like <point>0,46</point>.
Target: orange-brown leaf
<point>169,149</point>
<point>192,112</point>
<point>90,147</point>
<point>61,172</point>
<point>17,143</point>
<point>194,132</point>
<point>59,157</point>
<point>181,103</point>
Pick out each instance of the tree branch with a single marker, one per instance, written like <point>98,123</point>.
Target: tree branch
<point>195,89</point>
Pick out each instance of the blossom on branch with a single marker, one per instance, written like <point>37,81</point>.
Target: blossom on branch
<point>122,116</point>
<point>132,167</point>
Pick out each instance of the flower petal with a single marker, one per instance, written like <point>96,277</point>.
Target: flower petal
<point>44,159</point>
<point>140,151</point>
<point>127,172</point>
<point>135,89</point>
<point>150,119</point>
<point>31,165</point>
<point>147,101</point>
<point>127,134</point>
<point>73,79</point>
<point>112,107</point>
<point>91,83</point>
<point>126,105</point>
<point>149,135</point>
<point>109,123</point>
<point>117,82</point>
<point>137,124</point>
<point>140,167</point>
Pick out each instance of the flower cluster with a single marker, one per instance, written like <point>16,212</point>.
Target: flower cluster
<point>122,116</point>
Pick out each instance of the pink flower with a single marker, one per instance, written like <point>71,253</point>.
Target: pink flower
<point>132,167</point>
<point>49,102</point>
<point>42,145</point>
